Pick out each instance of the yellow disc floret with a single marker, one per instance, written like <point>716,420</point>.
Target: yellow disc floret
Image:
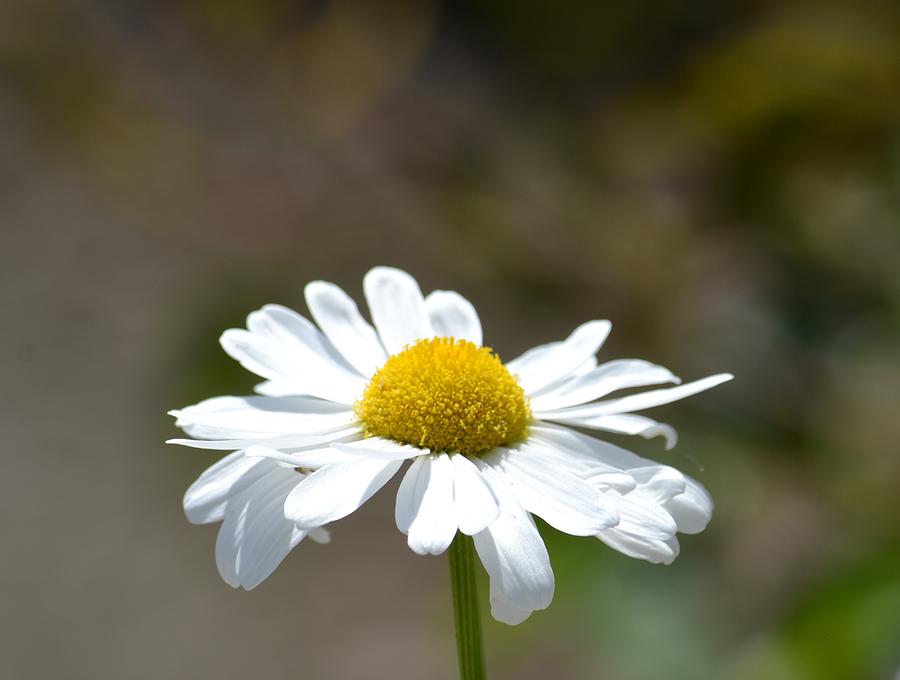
<point>445,395</point>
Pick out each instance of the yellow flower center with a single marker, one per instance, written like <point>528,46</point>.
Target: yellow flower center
<point>445,395</point>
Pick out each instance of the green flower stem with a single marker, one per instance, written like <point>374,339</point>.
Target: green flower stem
<point>465,608</point>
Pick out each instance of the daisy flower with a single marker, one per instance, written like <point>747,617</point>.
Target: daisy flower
<point>346,403</point>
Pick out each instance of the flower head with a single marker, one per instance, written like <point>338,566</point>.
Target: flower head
<point>344,405</point>
<point>444,394</point>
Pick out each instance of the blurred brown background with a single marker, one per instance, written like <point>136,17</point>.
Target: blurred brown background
<point>720,179</point>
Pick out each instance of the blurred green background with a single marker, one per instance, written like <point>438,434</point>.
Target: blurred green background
<point>720,179</point>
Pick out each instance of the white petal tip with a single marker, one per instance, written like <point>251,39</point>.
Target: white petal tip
<point>604,326</point>
<point>381,272</point>
<point>227,337</point>
<point>434,548</point>
<point>313,285</point>
<point>667,432</point>
<point>320,535</point>
<point>385,269</point>
<point>512,616</point>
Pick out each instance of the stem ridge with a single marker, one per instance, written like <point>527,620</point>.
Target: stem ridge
<point>469,650</point>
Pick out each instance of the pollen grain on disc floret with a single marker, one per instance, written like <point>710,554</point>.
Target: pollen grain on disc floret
<point>445,394</point>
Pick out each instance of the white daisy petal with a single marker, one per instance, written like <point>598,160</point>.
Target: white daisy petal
<point>642,516</point>
<point>274,388</point>
<point>252,417</point>
<point>505,611</point>
<point>660,483</point>
<point>258,356</point>
<point>623,423</point>
<point>381,448</point>
<point>650,549</point>
<point>397,308</point>
<point>281,441</point>
<point>563,500</point>
<point>452,316</point>
<point>648,526</point>
<point>409,494</point>
<point>473,501</point>
<point>602,472</point>
<point>290,351</point>
<point>514,555</point>
<point>267,541</point>
<point>308,459</point>
<point>606,480</point>
<point>205,499</point>
<point>584,448</point>
<point>542,366</point>
<point>660,490</point>
<point>692,509</point>
<point>683,498</point>
<point>434,524</point>
<point>255,537</point>
<point>579,465</point>
<point>295,331</point>
<point>533,355</point>
<point>336,490</point>
<point>600,381</point>
<point>227,546</point>
<point>588,365</point>
<point>320,535</point>
<point>640,401</point>
<point>338,316</point>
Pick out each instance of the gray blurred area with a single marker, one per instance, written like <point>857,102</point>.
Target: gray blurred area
<point>721,180</point>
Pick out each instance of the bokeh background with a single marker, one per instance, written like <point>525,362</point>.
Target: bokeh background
<point>720,179</point>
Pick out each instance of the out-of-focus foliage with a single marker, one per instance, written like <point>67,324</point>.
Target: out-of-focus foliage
<point>721,179</point>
